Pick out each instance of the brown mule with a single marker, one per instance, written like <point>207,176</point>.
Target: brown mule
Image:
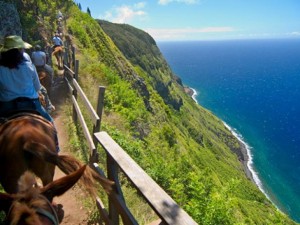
<point>58,53</point>
<point>31,205</point>
<point>45,79</point>
<point>27,142</point>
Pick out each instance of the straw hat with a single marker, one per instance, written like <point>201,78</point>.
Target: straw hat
<point>13,41</point>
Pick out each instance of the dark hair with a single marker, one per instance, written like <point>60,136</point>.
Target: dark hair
<point>12,58</point>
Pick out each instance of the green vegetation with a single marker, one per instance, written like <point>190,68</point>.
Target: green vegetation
<point>181,145</point>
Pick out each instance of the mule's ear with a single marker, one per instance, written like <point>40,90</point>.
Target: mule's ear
<point>5,201</point>
<point>60,186</point>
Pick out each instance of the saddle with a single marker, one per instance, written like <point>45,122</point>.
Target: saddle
<point>18,113</point>
<point>57,48</point>
<point>16,106</point>
<point>42,74</point>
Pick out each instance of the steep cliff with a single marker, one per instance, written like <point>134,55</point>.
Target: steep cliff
<point>184,147</point>
<point>9,20</point>
<point>141,50</point>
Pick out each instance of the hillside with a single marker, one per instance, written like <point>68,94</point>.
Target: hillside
<point>181,145</point>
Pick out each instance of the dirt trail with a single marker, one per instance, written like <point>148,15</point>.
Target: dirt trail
<point>74,212</point>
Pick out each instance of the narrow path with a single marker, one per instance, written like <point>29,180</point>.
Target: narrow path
<point>74,212</point>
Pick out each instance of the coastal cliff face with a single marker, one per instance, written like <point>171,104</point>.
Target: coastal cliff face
<point>141,50</point>
<point>9,20</point>
<point>184,147</point>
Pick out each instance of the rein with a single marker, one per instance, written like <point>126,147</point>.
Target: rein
<point>52,216</point>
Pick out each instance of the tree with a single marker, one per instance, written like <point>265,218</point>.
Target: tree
<point>88,11</point>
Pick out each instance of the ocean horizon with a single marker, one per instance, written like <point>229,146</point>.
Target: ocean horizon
<point>254,87</point>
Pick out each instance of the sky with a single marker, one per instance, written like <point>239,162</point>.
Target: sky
<point>180,20</point>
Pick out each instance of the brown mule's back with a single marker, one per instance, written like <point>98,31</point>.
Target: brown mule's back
<point>14,159</point>
<point>27,142</point>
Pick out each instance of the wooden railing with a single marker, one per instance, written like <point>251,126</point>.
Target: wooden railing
<point>117,159</point>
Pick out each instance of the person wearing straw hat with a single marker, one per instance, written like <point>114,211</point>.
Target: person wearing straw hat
<point>19,82</point>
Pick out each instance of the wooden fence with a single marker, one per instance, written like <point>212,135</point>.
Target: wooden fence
<point>117,160</point>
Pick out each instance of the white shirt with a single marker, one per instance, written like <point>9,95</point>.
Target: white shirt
<point>26,56</point>
<point>21,82</point>
<point>38,58</point>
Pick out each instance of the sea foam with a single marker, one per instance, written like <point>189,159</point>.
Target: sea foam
<point>240,138</point>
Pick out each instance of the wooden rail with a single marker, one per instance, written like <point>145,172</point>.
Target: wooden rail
<point>162,204</point>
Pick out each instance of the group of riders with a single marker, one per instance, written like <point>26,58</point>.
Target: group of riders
<point>22,86</point>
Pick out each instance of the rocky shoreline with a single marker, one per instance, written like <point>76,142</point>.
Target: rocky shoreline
<point>245,161</point>
<point>241,152</point>
<point>189,91</point>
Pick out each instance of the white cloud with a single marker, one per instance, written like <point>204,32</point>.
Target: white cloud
<point>140,5</point>
<point>184,33</point>
<point>125,13</point>
<point>295,33</point>
<point>166,2</point>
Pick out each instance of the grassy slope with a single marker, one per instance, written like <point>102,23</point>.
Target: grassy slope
<point>186,151</point>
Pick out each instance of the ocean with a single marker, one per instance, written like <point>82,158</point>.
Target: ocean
<point>254,87</point>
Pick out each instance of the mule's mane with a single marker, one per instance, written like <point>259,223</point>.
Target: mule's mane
<point>30,113</point>
<point>20,115</point>
<point>27,201</point>
<point>27,182</point>
<point>22,212</point>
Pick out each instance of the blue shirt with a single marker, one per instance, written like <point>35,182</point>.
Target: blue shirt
<point>38,58</point>
<point>21,82</point>
<point>57,41</point>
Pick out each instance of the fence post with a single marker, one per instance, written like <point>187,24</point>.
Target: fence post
<point>96,127</point>
<point>112,174</point>
<point>73,57</point>
<point>100,106</point>
<point>66,54</point>
<point>76,75</point>
<point>75,91</point>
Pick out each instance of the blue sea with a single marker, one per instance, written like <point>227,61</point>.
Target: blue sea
<point>254,87</point>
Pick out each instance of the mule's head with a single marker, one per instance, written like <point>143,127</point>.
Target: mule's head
<point>32,204</point>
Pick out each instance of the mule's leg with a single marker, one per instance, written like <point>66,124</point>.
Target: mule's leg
<point>55,53</point>
<point>57,59</point>
<point>60,59</point>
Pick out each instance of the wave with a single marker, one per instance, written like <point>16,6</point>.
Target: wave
<point>194,95</point>
<point>249,156</point>
<point>250,168</point>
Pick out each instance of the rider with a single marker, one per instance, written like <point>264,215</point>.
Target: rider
<point>57,43</point>
<point>39,59</point>
<point>19,82</point>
